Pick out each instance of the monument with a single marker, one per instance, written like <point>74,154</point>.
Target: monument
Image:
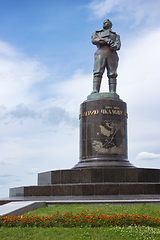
<point>103,117</point>
<point>103,167</point>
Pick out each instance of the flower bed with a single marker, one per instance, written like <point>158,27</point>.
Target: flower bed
<point>86,218</point>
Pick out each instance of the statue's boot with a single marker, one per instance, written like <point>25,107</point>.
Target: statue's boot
<point>112,84</point>
<point>96,84</point>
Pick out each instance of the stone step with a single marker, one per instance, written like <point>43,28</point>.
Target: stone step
<point>87,189</point>
<point>99,175</point>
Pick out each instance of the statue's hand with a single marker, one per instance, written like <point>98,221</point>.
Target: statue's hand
<point>106,41</point>
<point>113,46</point>
<point>109,42</point>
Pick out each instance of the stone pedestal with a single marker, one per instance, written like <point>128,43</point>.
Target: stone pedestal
<point>103,132</point>
<point>103,168</point>
<point>91,181</point>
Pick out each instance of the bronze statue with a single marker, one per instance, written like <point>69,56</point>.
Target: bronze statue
<point>108,42</point>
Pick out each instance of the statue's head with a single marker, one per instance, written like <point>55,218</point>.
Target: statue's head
<point>107,24</point>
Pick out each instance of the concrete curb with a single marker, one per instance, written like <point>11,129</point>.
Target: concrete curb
<point>108,202</point>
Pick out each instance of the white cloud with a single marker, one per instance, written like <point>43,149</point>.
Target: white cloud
<point>136,10</point>
<point>103,7</point>
<point>8,50</point>
<point>21,111</point>
<point>5,160</point>
<point>17,75</point>
<point>140,56</point>
<point>53,115</point>
<point>138,85</point>
<point>77,87</point>
<point>147,156</point>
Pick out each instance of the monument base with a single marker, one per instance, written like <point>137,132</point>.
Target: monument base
<point>84,182</point>
<point>99,163</point>
<point>103,168</point>
<point>103,132</point>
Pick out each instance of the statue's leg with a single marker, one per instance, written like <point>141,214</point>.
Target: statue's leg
<point>112,84</point>
<point>96,84</point>
<point>112,64</point>
<point>98,70</point>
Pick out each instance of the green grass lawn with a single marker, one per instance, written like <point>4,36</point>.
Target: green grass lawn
<point>115,233</point>
<point>149,210</point>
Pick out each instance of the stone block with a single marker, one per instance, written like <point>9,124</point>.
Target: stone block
<point>61,190</point>
<point>56,177</point>
<point>77,190</point>
<point>149,188</point>
<point>141,175</point>
<point>97,175</point>
<point>76,176</point>
<point>86,175</point>
<point>107,189</point>
<point>131,175</point>
<point>114,175</point>
<point>157,186</point>
<point>152,175</point>
<point>88,189</point>
<point>28,191</point>
<point>37,191</point>
<point>148,175</point>
<point>129,188</point>
<point>41,191</point>
<point>66,176</point>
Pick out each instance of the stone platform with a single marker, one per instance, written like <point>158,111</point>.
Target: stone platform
<point>91,182</point>
<point>99,175</point>
<point>103,168</point>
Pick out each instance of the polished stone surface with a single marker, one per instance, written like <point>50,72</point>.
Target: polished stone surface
<point>98,175</point>
<point>87,189</point>
<point>103,133</point>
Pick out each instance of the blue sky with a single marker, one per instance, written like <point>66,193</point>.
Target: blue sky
<point>46,62</point>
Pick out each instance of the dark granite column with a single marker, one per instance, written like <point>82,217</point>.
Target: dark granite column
<point>103,133</point>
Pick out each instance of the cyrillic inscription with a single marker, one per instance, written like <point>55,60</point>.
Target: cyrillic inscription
<point>107,110</point>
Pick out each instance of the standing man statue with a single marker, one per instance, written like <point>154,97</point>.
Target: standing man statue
<point>108,42</point>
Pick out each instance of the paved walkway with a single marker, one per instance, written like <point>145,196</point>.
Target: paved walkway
<point>103,198</point>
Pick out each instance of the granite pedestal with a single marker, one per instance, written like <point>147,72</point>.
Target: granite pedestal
<point>103,168</point>
<point>103,133</point>
<point>93,181</point>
